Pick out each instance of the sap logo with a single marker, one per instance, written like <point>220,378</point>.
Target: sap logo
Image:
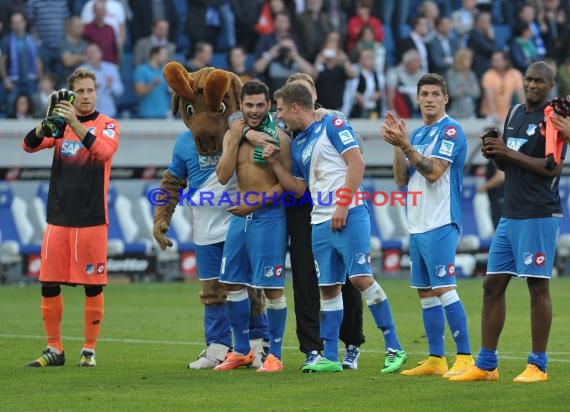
<point>69,148</point>
<point>207,162</point>
<point>515,143</point>
<point>307,153</point>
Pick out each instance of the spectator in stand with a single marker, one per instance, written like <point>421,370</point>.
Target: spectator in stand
<point>237,63</point>
<point>109,83</point>
<point>114,16</point>
<point>527,14</point>
<point>523,50</point>
<point>9,7</point>
<point>47,22</point>
<point>313,26</point>
<point>502,85</point>
<point>366,41</point>
<point>277,55</point>
<point>482,41</point>
<point>463,86</point>
<point>151,86</point>
<point>102,34</point>
<point>363,16</point>
<point>145,16</point>
<point>246,14</point>
<point>158,37</point>
<point>554,18</point>
<point>20,64</point>
<point>463,20</point>
<point>563,78</point>
<point>23,108</point>
<point>442,47</point>
<point>394,13</point>
<point>367,88</point>
<point>41,97</point>
<point>430,11</point>
<point>203,52</point>
<point>332,67</point>
<point>211,21</point>
<point>415,40</point>
<point>73,48</point>
<point>401,85</point>
<point>266,18</point>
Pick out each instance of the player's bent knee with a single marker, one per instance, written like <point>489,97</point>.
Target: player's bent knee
<point>213,292</point>
<point>92,291</point>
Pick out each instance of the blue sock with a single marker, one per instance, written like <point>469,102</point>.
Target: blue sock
<point>539,359</point>
<point>239,311</point>
<point>457,320</point>
<point>383,318</point>
<point>487,359</point>
<point>258,328</point>
<point>217,327</point>
<point>330,329</point>
<point>434,325</point>
<point>276,319</point>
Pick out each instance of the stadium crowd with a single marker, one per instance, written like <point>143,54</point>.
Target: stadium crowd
<point>374,50</point>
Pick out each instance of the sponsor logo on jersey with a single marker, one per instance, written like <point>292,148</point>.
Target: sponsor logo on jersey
<point>539,259</point>
<point>346,137</point>
<point>337,122</point>
<point>515,143</point>
<point>278,271</point>
<point>100,268</point>
<point>109,130</point>
<point>451,269</point>
<point>446,148</point>
<point>450,132</point>
<point>306,155</point>
<point>70,148</point>
<point>208,162</point>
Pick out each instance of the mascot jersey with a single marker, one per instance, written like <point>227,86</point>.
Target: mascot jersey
<point>316,155</point>
<point>209,217</point>
<point>439,203</point>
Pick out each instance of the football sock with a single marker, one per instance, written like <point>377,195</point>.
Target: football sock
<point>93,315</point>
<point>258,328</point>
<point>332,312</point>
<point>276,316</point>
<point>52,310</point>
<point>457,320</point>
<point>487,359</point>
<point>239,311</point>
<point>434,324</point>
<point>217,327</point>
<point>539,359</point>
<point>380,308</point>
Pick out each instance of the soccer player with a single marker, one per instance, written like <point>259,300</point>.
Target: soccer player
<point>431,162</point>
<point>74,248</point>
<point>305,284</point>
<point>254,252</point>
<point>326,158</point>
<point>524,244</point>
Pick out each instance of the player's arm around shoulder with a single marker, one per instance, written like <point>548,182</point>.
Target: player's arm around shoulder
<point>285,152</point>
<point>228,161</point>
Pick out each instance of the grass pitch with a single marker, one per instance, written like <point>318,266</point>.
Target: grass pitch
<point>151,331</point>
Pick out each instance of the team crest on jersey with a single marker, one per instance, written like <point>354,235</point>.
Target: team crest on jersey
<point>539,259</point>
<point>446,148</point>
<point>89,269</point>
<point>362,258</point>
<point>338,122</point>
<point>70,148</point>
<point>450,132</point>
<point>515,143</point>
<point>346,137</point>
<point>268,271</point>
<point>440,271</point>
<point>531,129</point>
<point>528,258</point>
<point>208,162</point>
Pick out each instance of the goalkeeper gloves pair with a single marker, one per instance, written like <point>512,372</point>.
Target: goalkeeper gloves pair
<point>54,125</point>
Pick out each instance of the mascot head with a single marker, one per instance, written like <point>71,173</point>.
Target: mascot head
<point>205,99</point>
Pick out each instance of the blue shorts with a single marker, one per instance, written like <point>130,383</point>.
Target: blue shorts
<point>341,253</point>
<point>209,260</point>
<point>254,252</point>
<point>524,247</point>
<point>433,258</point>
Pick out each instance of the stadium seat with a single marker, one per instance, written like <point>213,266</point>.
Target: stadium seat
<point>39,204</point>
<point>123,229</point>
<point>502,35</point>
<point>220,61</point>
<point>476,235</point>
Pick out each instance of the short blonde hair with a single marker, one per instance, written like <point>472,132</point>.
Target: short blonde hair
<point>80,73</point>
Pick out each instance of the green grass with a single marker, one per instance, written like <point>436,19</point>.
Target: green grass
<point>151,331</point>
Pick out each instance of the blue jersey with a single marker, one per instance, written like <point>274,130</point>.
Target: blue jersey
<point>209,217</point>
<point>439,203</point>
<point>316,157</point>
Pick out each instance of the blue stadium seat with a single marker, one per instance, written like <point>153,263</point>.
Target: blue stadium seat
<point>128,101</point>
<point>220,61</point>
<point>503,35</point>
<point>472,238</point>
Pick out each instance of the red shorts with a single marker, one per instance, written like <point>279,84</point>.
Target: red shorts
<point>75,255</point>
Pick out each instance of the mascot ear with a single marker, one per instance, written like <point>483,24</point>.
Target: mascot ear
<point>215,87</point>
<point>179,80</point>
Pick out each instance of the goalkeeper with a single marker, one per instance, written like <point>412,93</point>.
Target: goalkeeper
<point>74,247</point>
